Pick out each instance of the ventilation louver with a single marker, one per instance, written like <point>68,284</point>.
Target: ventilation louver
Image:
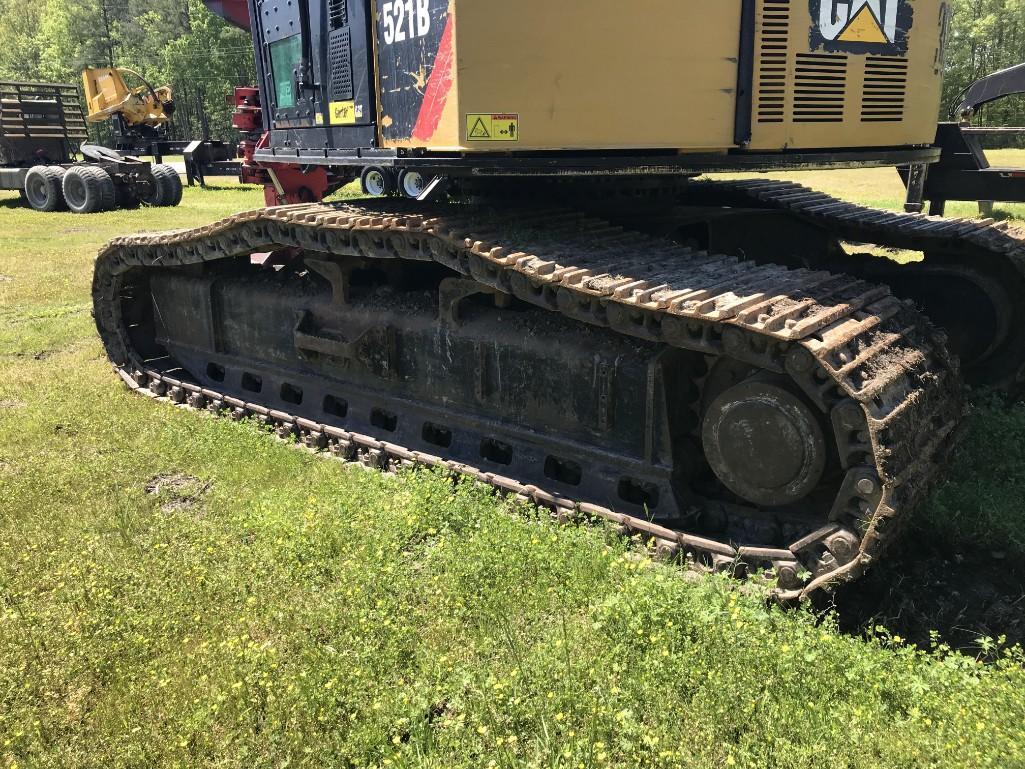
<point>340,58</point>
<point>338,13</point>
<point>885,93</point>
<point>773,44</point>
<point>820,87</point>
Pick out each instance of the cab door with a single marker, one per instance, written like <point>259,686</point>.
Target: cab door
<point>286,46</point>
<point>344,64</point>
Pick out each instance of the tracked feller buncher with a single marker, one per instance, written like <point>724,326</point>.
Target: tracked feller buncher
<point>546,298</point>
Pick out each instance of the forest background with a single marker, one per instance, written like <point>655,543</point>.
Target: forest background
<point>181,44</point>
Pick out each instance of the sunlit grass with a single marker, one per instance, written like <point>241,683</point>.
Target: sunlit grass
<point>266,608</point>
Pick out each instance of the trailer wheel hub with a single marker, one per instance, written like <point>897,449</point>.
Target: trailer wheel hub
<point>764,443</point>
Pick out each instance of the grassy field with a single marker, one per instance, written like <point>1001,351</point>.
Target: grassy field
<point>181,591</point>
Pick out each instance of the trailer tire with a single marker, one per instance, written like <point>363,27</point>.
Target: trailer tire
<point>412,183</point>
<point>89,190</point>
<point>168,192</point>
<point>377,181</point>
<point>44,188</point>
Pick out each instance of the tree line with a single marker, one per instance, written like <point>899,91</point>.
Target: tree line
<point>169,42</point>
<point>985,36</point>
<point>181,44</point>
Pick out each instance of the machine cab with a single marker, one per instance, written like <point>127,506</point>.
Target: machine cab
<point>315,59</point>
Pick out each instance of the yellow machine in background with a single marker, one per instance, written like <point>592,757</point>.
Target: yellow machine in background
<point>108,97</point>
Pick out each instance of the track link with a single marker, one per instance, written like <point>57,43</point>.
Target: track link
<point>867,360</point>
<point>991,248</point>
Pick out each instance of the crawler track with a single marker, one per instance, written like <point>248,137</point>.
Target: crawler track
<point>984,255</point>
<point>871,364</point>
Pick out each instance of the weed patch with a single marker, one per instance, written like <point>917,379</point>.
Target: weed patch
<point>982,504</point>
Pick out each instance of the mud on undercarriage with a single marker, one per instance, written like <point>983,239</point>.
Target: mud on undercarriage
<point>743,414</point>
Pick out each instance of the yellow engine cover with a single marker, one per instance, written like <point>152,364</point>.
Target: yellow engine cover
<point>656,74</point>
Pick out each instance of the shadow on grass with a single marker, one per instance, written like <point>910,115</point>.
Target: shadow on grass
<point>1002,215</point>
<point>924,588</point>
<point>960,569</point>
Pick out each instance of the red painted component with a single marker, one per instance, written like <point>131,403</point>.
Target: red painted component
<point>297,185</point>
<point>438,87</point>
<point>282,183</point>
<point>234,11</point>
<point>248,114</point>
<point>248,118</point>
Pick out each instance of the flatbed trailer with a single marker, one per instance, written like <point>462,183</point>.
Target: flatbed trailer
<point>41,126</point>
<point>963,172</point>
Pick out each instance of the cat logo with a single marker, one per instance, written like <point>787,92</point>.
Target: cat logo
<point>861,26</point>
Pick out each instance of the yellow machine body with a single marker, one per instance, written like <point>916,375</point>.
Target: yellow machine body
<point>692,75</point>
<point>107,94</point>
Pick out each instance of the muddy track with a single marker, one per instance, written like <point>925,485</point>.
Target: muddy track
<point>992,250</point>
<point>871,363</point>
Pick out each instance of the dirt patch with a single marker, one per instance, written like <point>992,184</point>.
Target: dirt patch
<point>921,588</point>
<point>11,404</point>
<point>177,492</point>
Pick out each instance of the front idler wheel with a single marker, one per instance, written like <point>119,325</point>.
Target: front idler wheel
<point>764,442</point>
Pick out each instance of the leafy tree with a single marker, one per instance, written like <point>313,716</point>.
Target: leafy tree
<point>168,42</point>
<point>20,42</point>
<point>985,36</point>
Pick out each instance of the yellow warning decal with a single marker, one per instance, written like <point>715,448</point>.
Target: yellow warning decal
<point>492,127</point>
<point>344,112</point>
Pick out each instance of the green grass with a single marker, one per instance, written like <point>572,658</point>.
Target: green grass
<point>269,608</point>
<point>981,501</point>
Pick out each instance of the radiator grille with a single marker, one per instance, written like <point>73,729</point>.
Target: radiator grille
<point>820,87</point>
<point>338,12</point>
<point>772,61</point>
<point>885,94</point>
<point>340,58</point>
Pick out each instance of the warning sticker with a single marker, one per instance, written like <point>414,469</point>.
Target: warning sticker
<point>345,112</point>
<point>493,127</point>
